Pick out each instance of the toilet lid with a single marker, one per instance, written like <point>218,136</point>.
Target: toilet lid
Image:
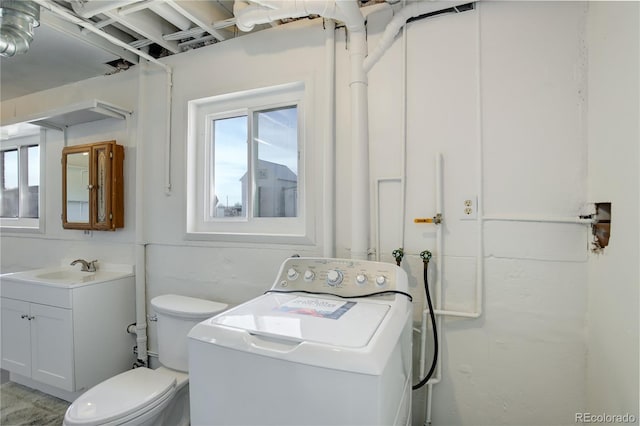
<point>186,307</point>
<point>119,396</point>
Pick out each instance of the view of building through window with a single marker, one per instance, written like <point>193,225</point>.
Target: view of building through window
<point>272,179</point>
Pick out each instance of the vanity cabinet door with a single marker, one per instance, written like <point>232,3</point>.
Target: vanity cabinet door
<point>16,337</point>
<point>93,186</point>
<point>52,346</point>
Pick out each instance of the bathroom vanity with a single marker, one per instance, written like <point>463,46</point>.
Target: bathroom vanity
<point>63,330</point>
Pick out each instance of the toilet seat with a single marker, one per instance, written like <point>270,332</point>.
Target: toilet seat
<point>121,398</point>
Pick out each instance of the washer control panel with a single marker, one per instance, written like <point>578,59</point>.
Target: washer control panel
<point>343,277</point>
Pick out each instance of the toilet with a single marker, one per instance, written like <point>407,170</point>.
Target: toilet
<point>143,396</point>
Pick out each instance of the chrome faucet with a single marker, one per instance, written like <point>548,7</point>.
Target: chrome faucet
<point>86,266</point>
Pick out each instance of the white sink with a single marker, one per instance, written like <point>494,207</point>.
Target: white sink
<point>68,276</point>
<point>65,276</point>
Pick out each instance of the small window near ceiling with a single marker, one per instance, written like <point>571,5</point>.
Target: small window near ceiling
<point>20,171</point>
<point>246,163</point>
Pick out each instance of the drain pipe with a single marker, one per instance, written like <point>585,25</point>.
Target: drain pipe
<point>360,195</point>
<point>140,245</point>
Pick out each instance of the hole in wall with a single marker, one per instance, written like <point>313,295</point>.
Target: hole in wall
<point>601,228</point>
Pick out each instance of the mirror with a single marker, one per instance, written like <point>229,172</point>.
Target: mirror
<point>92,187</point>
<point>78,187</point>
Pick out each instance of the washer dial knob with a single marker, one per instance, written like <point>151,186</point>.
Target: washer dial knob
<point>334,277</point>
<point>381,280</point>
<point>309,275</point>
<point>292,274</point>
<point>361,279</point>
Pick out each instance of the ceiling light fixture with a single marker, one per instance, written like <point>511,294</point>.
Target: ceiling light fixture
<point>18,18</point>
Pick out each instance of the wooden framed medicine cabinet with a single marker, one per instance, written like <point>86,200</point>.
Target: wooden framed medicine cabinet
<point>93,186</point>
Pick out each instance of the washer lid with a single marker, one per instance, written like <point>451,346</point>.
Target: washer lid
<point>336,322</point>
<point>118,397</point>
<point>186,307</point>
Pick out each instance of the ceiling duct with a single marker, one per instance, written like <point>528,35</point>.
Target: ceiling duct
<point>18,18</point>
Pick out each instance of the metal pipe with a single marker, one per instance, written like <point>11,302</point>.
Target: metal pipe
<point>17,22</point>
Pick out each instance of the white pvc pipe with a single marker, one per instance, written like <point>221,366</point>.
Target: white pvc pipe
<point>403,148</point>
<point>330,142</point>
<point>248,16</point>
<point>359,150</point>
<point>412,9</point>
<point>547,219</point>
<point>361,188</point>
<point>140,246</point>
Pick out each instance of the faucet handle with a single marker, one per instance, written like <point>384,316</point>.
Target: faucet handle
<point>92,266</point>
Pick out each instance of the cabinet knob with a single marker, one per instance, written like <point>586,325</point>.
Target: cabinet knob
<point>23,316</point>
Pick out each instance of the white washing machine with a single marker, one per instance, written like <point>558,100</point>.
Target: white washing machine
<point>329,344</point>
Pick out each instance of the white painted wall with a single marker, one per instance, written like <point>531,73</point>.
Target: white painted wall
<point>227,272</point>
<point>512,365</point>
<point>22,251</point>
<point>613,139</point>
<point>510,78</point>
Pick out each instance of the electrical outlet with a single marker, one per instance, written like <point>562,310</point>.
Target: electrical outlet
<point>469,207</point>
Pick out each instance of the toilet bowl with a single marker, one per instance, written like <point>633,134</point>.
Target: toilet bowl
<point>143,396</point>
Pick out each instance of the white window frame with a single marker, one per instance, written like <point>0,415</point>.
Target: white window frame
<point>23,224</point>
<point>201,113</point>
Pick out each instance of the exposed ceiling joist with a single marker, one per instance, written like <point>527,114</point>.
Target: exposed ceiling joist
<point>148,26</point>
<point>73,30</point>
<point>204,15</point>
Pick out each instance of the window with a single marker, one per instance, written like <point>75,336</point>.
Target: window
<point>246,157</point>
<point>20,188</point>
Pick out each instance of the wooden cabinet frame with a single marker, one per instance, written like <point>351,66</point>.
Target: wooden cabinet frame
<point>105,186</point>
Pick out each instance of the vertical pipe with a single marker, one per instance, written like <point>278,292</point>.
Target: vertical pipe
<point>438,283</point>
<point>140,245</point>
<point>330,146</point>
<point>167,158</point>
<point>403,151</point>
<point>480,171</point>
<point>360,195</point>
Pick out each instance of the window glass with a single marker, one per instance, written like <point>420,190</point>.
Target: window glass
<point>30,206</point>
<point>229,186</point>
<point>33,156</point>
<point>246,173</point>
<point>276,162</point>
<point>10,193</point>
<point>21,155</point>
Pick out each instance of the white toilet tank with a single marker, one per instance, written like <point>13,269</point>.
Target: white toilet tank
<point>177,315</point>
